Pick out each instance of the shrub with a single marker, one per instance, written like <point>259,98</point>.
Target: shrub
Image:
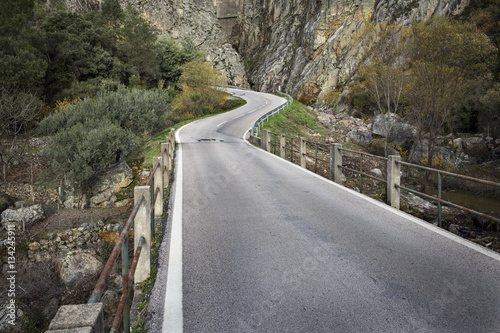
<point>94,134</point>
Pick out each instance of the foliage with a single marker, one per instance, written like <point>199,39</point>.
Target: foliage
<point>446,56</point>
<point>489,118</point>
<point>172,58</point>
<point>18,113</point>
<point>198,97</point>
<point>21,64</point>
<point>93,134</point>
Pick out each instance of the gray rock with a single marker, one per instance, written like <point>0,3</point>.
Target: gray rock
<point>377,172</point>
<point>362,137</point>
<point>77,267</point>
<point>110,299</point>
<point>110,182</point>
<point>28,216</point>
<point>419,154</point>
<point>475,146</point>
<point>393,129</point>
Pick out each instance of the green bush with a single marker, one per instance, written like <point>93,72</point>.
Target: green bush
<point>93,134</point>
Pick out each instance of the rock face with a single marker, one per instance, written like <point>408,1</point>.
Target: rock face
<point>27,216</point>
<point>77,267</point>
<point>110,182</point>
<point>196,20</point>
<point>308,48</point>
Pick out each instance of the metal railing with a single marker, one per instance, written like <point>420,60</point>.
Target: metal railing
<point>148,205</point>
<point>439,199</point>
<point>257,125</point>
<point>332,155</point>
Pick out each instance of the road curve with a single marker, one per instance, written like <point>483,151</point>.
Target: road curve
<point>260,245</point>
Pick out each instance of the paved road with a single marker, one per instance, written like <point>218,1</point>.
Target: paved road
<point>260,245</point>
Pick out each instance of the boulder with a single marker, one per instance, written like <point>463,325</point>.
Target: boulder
<point>475,146</point>
<point>395,131</point>
<point>361,137</point>
<point>5,202</point>
<point>27,216</point>
<point>110,182</point>
<point>77,267</point>
<point>419,154</point>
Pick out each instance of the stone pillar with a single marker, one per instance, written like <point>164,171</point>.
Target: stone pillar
<point>78,318</point>
<point>158,176</point>
<point>166,165</point>
<point>282,146</point>
<point>393,180</point>
<point>142,227</point>
<point>266,140</point>
<point>302,152</point>
<point>336,163</point>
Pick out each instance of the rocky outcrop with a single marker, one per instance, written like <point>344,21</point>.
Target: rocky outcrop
<point>110,182</point>
<point>393,129</point>
<point>77,267</point>
<point>309,48</point>
<point>23,216</point>
<point>196,20</point>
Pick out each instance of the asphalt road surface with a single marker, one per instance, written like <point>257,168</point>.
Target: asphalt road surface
<point>260,245</point>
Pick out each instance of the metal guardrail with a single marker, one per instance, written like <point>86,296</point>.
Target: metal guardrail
<point>285,147</point>
<point>257,124</point>
<point>161,170</point>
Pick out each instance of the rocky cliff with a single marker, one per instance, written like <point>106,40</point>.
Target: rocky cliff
<point>307,47</point>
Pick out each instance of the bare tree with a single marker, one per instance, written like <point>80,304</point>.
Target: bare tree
<point>18,114</point>
<point>384,73</point>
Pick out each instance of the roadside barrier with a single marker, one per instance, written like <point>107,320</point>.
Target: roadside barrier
<point>148,205</point>
<point>330,157</point>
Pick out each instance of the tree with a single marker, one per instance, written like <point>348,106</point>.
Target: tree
<point>489,116</point>
<point>172,58</point>
<point>18,114</point>
<point>199,97</point>
<point>384,73</point>
<point>21,65</point>
<point>137,48</point>
<point>445,57</point>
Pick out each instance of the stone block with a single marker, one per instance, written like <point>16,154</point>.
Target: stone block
<point>81,316</point>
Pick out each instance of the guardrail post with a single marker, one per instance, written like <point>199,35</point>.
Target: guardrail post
<point>142,227</point>
<point>166,166</point>
<point>393,180</point>
<point>266,140</point>
<point>302,152</point>
<point>282,145</point>
<point>158,181</point>
<point>336,162</point>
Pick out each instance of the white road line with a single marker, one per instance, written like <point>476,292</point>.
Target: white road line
<point>422,223</point>
<point>238,116</point>
<point>222,123</point>
<point>172,315</point>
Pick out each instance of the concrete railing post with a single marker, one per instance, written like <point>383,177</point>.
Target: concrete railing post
<point>393,180</point>
<point>78,318</point>
<point>166,165</point>
<point>302,152</point>
<point>336,163</point>
<point>142,227</point>
<point>282,146</point>
<point>266,140</point>
<point>158,181</point>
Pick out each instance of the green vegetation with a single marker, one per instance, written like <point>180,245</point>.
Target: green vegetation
<point>436,74</point>
<point>296,120</point>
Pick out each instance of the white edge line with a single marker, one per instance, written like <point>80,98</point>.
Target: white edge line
<point>225,121</point>
<point>173,319</point>
<point>427,225</point>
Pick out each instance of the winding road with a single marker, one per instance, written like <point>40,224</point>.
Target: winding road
<point>258,244</point>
